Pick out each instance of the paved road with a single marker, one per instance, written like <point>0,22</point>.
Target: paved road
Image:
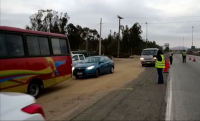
<point>184,90</point>
<point>141,99</point>
<point>197,58</point>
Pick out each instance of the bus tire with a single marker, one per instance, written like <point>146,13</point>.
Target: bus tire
<point>34,88</point>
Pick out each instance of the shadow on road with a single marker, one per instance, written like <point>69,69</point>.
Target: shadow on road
<point>53,89</point>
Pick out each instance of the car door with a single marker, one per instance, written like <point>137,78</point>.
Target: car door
<point>109,63</point>
<point>102,65</point>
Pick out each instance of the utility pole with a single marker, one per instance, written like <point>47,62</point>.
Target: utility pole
<point>119,35</point>
<point>192,35</point>
<point>100,37</point>
<point>146,34</point>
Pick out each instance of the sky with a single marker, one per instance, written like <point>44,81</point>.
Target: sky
<point>168,21</point>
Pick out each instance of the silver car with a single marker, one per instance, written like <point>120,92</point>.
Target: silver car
<point>148,56</point>
<point>77,58</point>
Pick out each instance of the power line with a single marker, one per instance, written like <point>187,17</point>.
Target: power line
<point>176,22</point>
<point>163,17</point>
<point>93,25</point>
<point>159,23</point>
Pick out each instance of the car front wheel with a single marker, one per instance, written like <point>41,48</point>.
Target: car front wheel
<point>112,70</point>
<point>96,75</point>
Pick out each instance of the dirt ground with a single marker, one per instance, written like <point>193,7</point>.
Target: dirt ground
<point>63,99</point>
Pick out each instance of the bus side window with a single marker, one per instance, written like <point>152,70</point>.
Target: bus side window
<point>44,46</point>
<point>64,47</point>
<point>3,49</point>
<point>15,45</point>
<point>33,45</point>
<point>56,46</point>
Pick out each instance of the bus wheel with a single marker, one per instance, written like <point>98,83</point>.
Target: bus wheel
<point>34,89</point>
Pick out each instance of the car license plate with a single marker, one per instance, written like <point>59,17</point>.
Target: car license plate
<point>79,73</point>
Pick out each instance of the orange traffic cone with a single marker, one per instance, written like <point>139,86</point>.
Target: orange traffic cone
<point>194,60</point>
<point>166,68</point>
<point>168,65</point>
<point>189,57</point>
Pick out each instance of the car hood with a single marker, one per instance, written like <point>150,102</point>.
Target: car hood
<point>84,65</point>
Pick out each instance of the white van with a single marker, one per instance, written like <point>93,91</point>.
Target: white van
<point>77,58</point>
<point>148,56</point>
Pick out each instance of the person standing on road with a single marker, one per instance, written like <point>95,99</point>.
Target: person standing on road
<point>171,57</point>
<point>184,56</point>
<point>160,64</point>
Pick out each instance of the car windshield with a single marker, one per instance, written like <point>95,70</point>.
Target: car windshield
<point>90,60</point>
<point>149,52</point>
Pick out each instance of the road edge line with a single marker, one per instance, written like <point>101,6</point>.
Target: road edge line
<point>168,99</point>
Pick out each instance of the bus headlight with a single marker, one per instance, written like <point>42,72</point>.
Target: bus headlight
<point>141,58</point>
<point>154,58</point>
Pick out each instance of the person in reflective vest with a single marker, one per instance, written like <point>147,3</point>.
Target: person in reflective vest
<point>160,64</point>
<point>184,56</point>
<point>171,57</point>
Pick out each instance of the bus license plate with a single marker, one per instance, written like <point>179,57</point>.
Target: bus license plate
<point>79,73</point>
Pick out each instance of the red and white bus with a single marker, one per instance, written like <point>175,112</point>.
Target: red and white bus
<point>32,60</point>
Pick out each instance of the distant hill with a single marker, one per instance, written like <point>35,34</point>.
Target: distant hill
<point>177,48</point>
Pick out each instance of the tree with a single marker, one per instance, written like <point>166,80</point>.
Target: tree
<point>51,21</point>
<point>48,21</point>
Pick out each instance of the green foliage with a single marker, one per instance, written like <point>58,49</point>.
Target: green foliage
<point>48,21</point>
<point>131,41</point>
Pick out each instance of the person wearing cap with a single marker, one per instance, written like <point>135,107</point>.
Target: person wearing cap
<point>184,56</point>
<point>160,64</point>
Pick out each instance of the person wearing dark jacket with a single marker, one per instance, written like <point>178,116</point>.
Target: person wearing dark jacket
<point>160,64</point>
<point>171,57</point>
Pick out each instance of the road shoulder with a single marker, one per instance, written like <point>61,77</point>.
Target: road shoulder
<point>141,99</point>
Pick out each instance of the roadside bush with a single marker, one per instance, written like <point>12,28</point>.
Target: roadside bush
<point>121,55</point>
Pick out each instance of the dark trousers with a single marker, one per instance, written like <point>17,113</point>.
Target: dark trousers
<point>171,59</point>
<point>160,76</point>
<point>184,59</point>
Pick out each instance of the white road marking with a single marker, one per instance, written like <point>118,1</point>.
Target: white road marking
<point>169,100</point>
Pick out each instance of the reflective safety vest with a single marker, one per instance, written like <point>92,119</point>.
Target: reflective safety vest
<point>160,64</point>
<point>184,53</point>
